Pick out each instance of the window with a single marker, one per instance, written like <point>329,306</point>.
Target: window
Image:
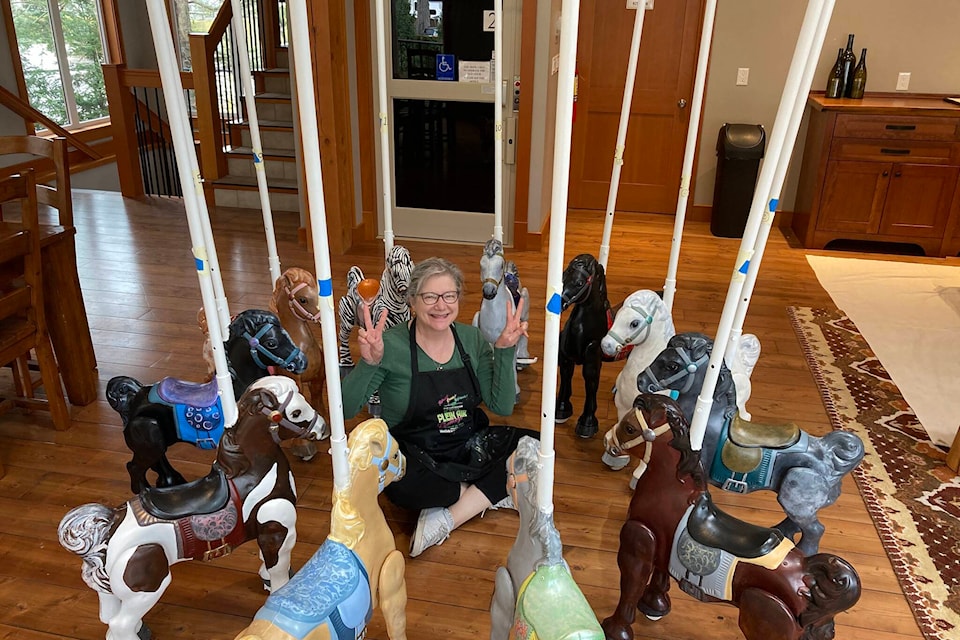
<point>61,49</point>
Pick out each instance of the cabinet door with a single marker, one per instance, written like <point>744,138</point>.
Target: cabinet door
<point>853,195</point>
<point>918,200</point>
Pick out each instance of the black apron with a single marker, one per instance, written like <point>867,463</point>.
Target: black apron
<point>444,426</point>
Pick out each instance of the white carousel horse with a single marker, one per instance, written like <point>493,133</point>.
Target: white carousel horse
<point>249,494</point>
<point>334,594</point>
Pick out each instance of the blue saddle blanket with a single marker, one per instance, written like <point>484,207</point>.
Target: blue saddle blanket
<point>332,587</point>
<point>201,425</point>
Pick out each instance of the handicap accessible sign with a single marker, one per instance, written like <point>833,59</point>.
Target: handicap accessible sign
<point>445,66</point>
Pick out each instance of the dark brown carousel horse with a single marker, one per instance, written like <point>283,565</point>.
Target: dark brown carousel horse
<point>585,289</point>
<point>674,529</point>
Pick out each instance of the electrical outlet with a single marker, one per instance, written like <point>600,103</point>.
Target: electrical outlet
<point>743,76</point>
<point>903,81</point>
<point>633,4</point>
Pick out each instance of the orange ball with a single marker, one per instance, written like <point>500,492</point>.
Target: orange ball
<point>368,288</point>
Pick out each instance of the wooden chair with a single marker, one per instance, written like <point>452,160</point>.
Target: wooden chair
<point>54,149</point>
<point>22,320</point>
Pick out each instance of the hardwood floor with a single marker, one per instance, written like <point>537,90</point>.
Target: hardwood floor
<point>142,298</point>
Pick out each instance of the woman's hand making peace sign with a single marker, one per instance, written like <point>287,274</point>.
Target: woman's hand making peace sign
<point>514,328</point>
<point>371,338</point>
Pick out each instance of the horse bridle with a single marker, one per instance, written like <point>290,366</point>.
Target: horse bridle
<point>298,309</point>
<point>257,349</point>
<point>584,291</point>
<point>646,381</point>
<point>647,435</point>
<point>503,272</point>
<point>642,332</point>
<point>384,464</point>
<point>278,418</point>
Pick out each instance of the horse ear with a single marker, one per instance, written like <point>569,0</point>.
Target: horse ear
<point>700,346</point>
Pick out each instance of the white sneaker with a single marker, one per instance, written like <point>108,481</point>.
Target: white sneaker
<point>433,527</point>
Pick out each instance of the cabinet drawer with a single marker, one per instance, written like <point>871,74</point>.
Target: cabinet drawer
<point>895,151</point>
<point>897,127</point>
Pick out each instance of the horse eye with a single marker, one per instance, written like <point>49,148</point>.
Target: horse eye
<point>630,429</point>
<point>271,344</point>
<point>296,413</point>
<point>634,324</point>
<point>302,300</point>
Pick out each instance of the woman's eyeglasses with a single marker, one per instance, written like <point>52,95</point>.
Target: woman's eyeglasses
<point>431,298</point>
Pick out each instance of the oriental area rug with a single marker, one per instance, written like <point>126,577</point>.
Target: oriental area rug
<point>912,497</point>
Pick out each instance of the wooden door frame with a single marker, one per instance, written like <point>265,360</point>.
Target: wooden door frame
<point>366,100</point>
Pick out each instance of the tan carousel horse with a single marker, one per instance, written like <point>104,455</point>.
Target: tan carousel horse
<point>356,568</point>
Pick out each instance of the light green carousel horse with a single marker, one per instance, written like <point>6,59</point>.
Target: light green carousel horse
<point>535,597</point>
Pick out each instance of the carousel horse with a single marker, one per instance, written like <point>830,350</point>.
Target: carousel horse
<point>535,595</point>
<point>296,301</point>
<point>674,529</point>
<point>642,326</point>
<point>333,596</point>
<point>171,410</point>
<point>392,297</point>
<point>806,472</point>
<point>585,289</point>
<point>249,494</point>
<point>498,295</point>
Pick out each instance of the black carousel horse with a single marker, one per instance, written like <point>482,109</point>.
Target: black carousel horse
<point>584,288</point>
<point>806,472</point>
<point>158,415</point>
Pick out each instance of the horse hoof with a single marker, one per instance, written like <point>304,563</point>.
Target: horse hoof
<point>587,429</point>
<point>563,412</point>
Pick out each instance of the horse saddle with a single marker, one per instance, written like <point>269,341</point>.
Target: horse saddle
<point>332,587</point>
<point>713,528</point>
<point>513,286</point>
<point>196,394</point>
<point>551,605</point>
<point>206,495</point>
<point>742,450</point>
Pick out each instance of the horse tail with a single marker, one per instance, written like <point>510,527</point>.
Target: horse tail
<point>120,390</point>
<point>845,450</point>
<point>86,531</point>
<point>833,586</point>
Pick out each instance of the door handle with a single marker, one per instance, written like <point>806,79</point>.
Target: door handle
<point>682,102</point>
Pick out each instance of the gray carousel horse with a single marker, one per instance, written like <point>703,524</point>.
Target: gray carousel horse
<point>535,594</point>
<point>741,456</point>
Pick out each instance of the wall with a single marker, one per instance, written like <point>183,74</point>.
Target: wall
<point>918,36</point>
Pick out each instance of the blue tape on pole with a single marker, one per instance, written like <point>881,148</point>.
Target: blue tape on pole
<point>326,287</point>
<point>199,263</point>
<point>555,305</point>
<point>744,267</point>
<point>773,204</point>
<point>257,158</point>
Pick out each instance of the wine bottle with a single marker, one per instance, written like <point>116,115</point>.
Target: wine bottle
<point>859,77</point>
<point>835,79</point>
<point>849,62</point>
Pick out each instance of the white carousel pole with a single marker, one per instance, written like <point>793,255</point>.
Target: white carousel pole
<point>385,174</point>
<point>569,21</point>
<point>765,181</point>
<point>240,39</point>
<point>498,120</point>
<point>307,105</point>
<point>693,138</point>
<point>622,134</point>
<point>779,177</point>
<point>190,182</point>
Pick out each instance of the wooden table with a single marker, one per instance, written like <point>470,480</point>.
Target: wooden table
<point>65,312</point>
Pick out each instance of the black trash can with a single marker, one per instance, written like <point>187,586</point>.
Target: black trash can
<point>740,148</point>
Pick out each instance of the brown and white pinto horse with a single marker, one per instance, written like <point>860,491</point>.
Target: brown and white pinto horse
<point>249,494</point>
<point>673,529</point>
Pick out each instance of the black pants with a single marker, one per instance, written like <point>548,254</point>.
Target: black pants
<point>422,488</point>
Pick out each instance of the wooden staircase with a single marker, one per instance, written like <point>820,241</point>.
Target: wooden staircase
<point>238,188</point>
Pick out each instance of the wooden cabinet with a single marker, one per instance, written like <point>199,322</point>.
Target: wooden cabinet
<point>882,168</point>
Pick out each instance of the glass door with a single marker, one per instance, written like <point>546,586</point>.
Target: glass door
<point>441,95</point>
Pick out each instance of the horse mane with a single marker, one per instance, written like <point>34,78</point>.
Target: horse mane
<point>680,429</point>
<point>346,524</point>
<point>696,344</point>
<point>247,321</point>
<point>492,247</point>
<point>230,457</point>
<point>542,527</point>
<point>290,277</point>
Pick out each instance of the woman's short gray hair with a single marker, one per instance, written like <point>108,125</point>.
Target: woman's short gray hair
<point>428,268</point>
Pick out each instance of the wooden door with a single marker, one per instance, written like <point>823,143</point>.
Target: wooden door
<point>853,197</point>
<point>918,200</point>
<point>656,133</point>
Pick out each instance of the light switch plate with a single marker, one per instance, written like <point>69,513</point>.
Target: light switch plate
<point>903,81</point>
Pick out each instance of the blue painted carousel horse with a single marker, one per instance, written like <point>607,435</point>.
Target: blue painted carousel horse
<point>535,595</point>
<point>741,456</point>
<point>249,494</point>
<point>156,416</point>
<point>356,568</point>
<point>585,289</point>
<point>673,529</point>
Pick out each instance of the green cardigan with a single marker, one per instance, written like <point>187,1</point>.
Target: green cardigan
<point>494,369</point>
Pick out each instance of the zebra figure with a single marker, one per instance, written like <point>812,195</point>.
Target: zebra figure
<point>392,297</point>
